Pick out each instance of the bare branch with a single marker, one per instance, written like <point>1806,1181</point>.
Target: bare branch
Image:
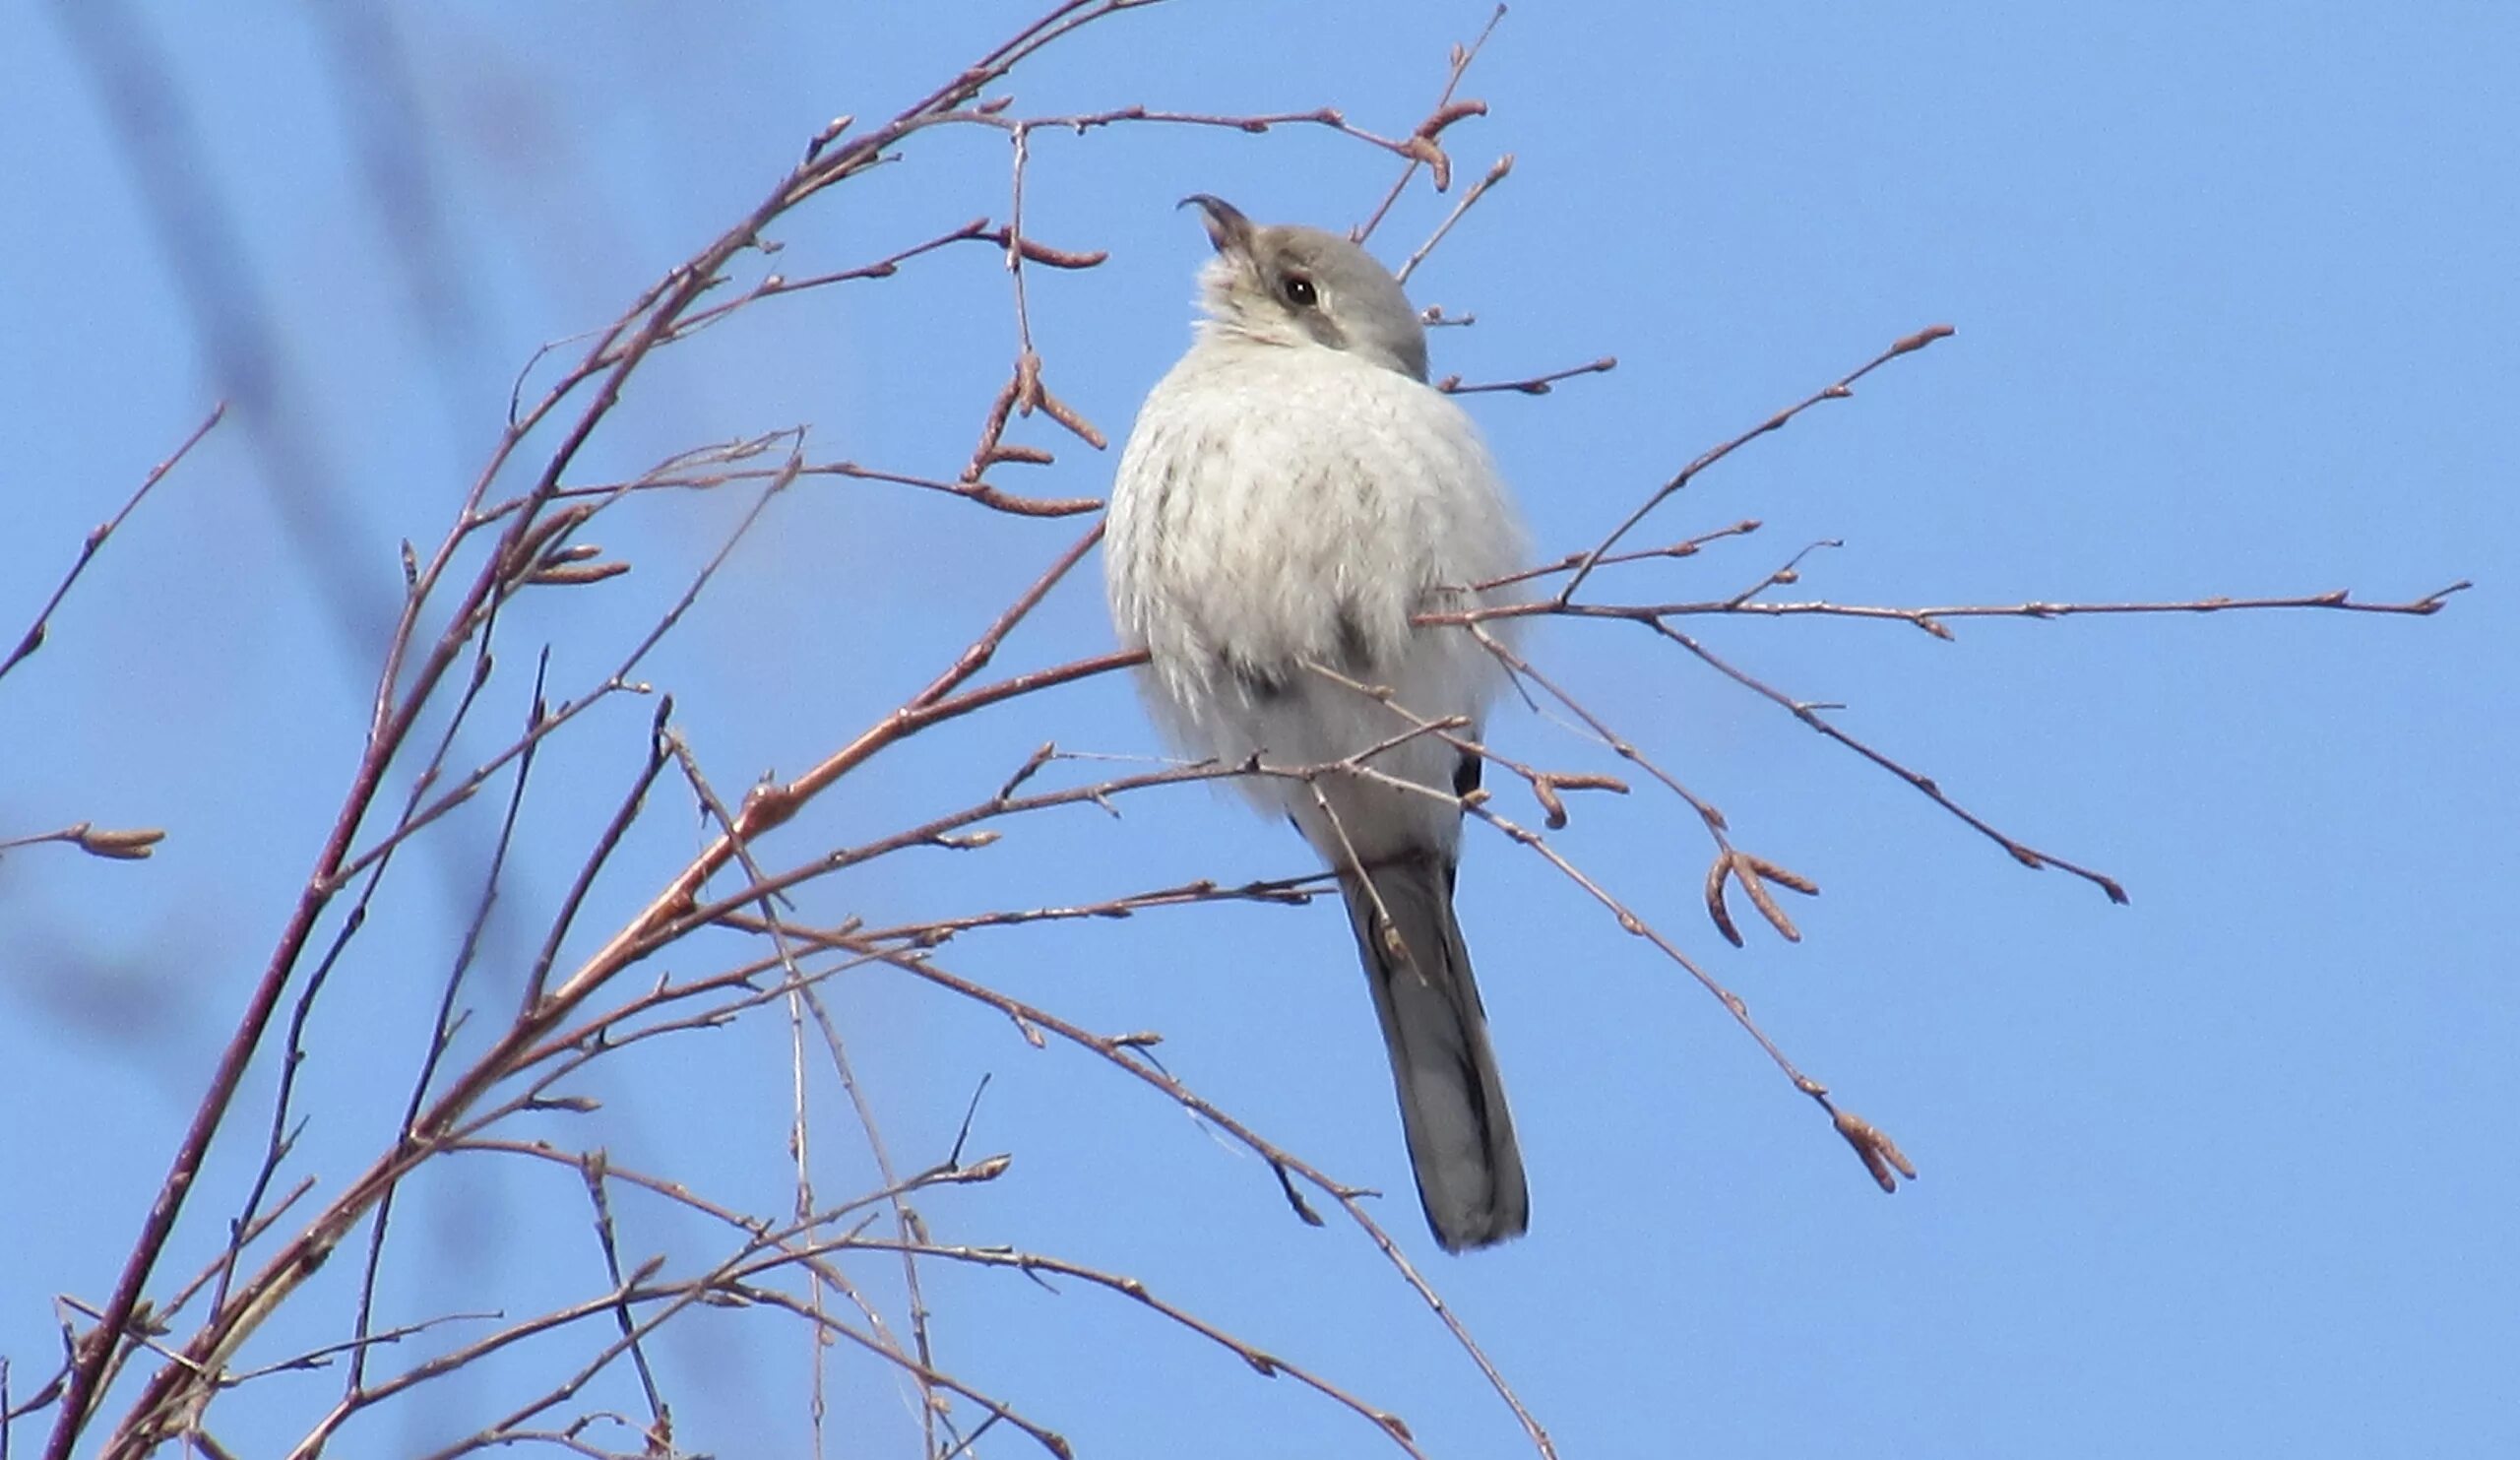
<point>32,639</point>
<point>1531,385</point>
<point>1442,114</point>
<point>1497,172</point>
<point>1839,390</point>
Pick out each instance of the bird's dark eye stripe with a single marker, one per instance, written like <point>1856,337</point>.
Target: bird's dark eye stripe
<point>1300,292</point>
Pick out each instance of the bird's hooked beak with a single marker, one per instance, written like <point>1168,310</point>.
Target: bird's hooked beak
<point>1228,228</point>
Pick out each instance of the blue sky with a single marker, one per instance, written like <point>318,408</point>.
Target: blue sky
<point>2217,1171</point>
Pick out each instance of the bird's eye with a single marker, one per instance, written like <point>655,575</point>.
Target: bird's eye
<point>1300,292</point>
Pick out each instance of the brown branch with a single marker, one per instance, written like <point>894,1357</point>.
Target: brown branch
<point>1931,618</point>
<point>927,1374</point>
<point>634,799</point>
<point>1479,804</point>
<point>1685,548</point>
<point>1119,1052</point>
<point>1729,862</point>
<point>905,1218</point>
<point>979,493</point>
<point>1442,114</point>
<point>802,996</point>
<point>608,1243</point>
<point>448,1018</point>
<point>1530,385</point>
<point>1630,922</point>
<point>556,717</point>
<point>1810,714</point>
<point>978,230</point>
<point>32,639</point>
<point>1654,615</point>
<point>1329,118</point>
<point>401,699</point>
<point>1498,171</point>
<point>1839,390</point>
<point>1283,891</point>
<point>287,1268</point>
<point>323,1355</point>
<point>1033,1264</point>
<point>635,1290</point>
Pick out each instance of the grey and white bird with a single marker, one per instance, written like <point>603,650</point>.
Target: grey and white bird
<point>1293,492</point>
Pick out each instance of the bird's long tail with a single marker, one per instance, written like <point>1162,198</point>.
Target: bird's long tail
<point>1452,1106</point>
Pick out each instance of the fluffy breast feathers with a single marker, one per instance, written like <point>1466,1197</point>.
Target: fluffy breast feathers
<point>1282,507</point>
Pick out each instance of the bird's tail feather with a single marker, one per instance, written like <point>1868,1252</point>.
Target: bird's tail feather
<point>1452,1105</point>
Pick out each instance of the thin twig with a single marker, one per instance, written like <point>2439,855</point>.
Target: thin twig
<point>1498,171</point>
<point>32,639</point>
<point>1810,714</point>
<point>403,698</point>
<point>1530,385</point>
<point>1839,390</point>
<point>1442,114</point>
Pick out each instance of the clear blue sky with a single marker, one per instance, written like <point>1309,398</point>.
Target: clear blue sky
<point>2237,291</point>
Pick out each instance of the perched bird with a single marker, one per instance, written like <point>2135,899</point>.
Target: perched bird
<point>1292,492</point>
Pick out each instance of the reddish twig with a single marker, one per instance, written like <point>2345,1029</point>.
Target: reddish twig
<point>1442,114</point>
<point>1839,390</point>
<point>401,698</point>
<point>1530,385</point>
<point>32,639</point>
<point>1810,714</point>
<point>1498,171</point>
<point>1931,619</point>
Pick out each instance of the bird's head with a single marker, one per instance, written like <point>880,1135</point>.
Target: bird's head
<point>1306,289</point>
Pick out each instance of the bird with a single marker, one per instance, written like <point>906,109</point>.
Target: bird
<point>1292,493</point>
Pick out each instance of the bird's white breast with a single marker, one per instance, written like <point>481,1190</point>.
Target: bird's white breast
<point>1282,505</point>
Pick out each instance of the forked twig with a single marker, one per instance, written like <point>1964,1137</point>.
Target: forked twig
<point>1839,390</point>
